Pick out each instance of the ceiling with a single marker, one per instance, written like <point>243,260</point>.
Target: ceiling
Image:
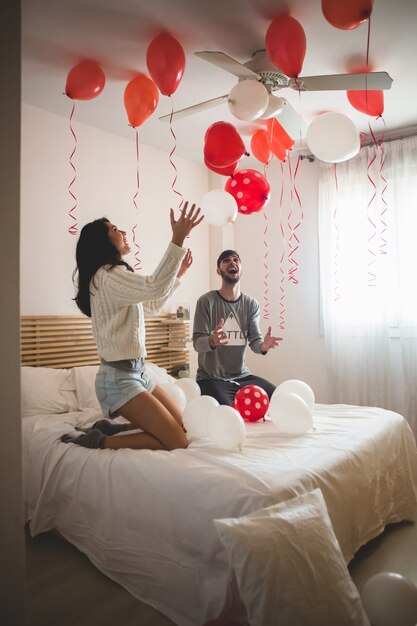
<point>116,34</point>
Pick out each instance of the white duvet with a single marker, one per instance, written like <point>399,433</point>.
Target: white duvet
<point>145,518</point>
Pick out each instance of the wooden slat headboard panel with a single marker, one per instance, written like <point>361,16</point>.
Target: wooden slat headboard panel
<point>63,341</point>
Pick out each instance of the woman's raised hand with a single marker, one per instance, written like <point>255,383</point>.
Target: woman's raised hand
<point>189,219</point>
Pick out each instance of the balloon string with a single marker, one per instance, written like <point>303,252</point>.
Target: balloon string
<point>73,230</point>
<point>368,42</point>
<point>137,265</point>
<point>373,229</point>
<point>336,281</point>
<point>282,259</point>
<point>293,241</point>
<point>363,139</point>
<point>170,156</point>
<point>266,312</point>
<point>384,204</point>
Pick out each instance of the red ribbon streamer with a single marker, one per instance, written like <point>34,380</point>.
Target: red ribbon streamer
<point>266,311</point>
<point>384,204</point>
<point>282,259</point>
<point>293,241</point>
<point>170,156</point>
<point>373,229</point>
<point>73,229</point>
<point>336,282</point>
<point>137,265</point>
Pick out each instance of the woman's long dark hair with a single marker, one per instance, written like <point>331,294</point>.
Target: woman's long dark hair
<point>94,249</point>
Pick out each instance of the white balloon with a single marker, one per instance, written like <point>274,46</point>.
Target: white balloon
<point>218,207</point>
<point>299,388</point>
<point>195,415</point>
<point>176,394</point>
<point>248,100</point>
<point>226,428</point>
<point>333,137</point>
<point>290,414</point>
<point>390,599</point>
<point>275,107</point>
<point>189,387</point>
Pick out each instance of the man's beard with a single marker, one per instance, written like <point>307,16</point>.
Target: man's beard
<point>231,280</point>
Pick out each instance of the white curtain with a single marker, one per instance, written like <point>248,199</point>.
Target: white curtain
<point>368,261</point>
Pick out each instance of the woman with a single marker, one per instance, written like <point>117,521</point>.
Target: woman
<point>116,299</point>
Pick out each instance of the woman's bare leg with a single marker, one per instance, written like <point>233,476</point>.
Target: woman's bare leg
<point>161,395</point>
<point>162,429</point>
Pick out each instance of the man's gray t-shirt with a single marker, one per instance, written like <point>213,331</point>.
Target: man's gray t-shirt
<point>241,327</point>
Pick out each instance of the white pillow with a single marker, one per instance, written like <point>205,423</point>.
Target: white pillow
<point>47,391</point>
<point>157,374</point>
<point>85,377</point>
<point>289,566</point>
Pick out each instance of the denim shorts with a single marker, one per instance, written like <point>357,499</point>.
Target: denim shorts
<point>115,386</point>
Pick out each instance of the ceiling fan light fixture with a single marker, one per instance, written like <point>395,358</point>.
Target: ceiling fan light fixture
<point>248,100</point>
<point>274,108</point>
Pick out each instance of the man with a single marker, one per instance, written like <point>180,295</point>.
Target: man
<point>224,322</point>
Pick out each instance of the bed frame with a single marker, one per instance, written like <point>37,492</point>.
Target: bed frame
<point>63,341</point>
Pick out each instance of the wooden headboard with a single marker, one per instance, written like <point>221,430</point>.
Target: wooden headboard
<point>67,341</point>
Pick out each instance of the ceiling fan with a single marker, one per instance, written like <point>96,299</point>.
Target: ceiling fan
<point>262,69</point>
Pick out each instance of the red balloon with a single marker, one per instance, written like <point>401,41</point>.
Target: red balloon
<point>370,102</point>
<point>279,140</point>
<point>285,42</point>
<point>346,14</point>
<point>140,98</point>
<point>223,145</point>
<point>165,59</point>
<point>250,189</point>
<point>252,402</point>
<point>229,170</point>
<point>85,81</point>
<point>260,147</point>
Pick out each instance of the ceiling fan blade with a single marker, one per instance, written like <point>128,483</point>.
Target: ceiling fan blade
<point>227,63</point>
<point>202,106</point>
<point>354,82</point>
<point>293,123</point>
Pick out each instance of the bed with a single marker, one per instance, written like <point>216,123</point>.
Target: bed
<point>146,519</point>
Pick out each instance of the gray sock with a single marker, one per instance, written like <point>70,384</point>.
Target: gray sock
<point>93,439</point>
<point>106,427</point>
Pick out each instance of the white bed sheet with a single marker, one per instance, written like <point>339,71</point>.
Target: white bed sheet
<point>145,518</point>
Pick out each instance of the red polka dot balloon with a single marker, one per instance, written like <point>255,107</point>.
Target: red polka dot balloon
<point>250,189</point>
<point>251,402</point>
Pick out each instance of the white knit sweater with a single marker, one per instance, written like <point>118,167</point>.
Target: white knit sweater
<point>119,298</point>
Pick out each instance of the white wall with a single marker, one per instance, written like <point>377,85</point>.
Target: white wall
<point>105,186</point>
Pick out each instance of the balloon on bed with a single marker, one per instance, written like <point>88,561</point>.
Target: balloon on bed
<point>291,408</point>
<point>226,428</point>
<point>195,416</point>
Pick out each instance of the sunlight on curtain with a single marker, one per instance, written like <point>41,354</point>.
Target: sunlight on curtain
<point>368,261</point>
